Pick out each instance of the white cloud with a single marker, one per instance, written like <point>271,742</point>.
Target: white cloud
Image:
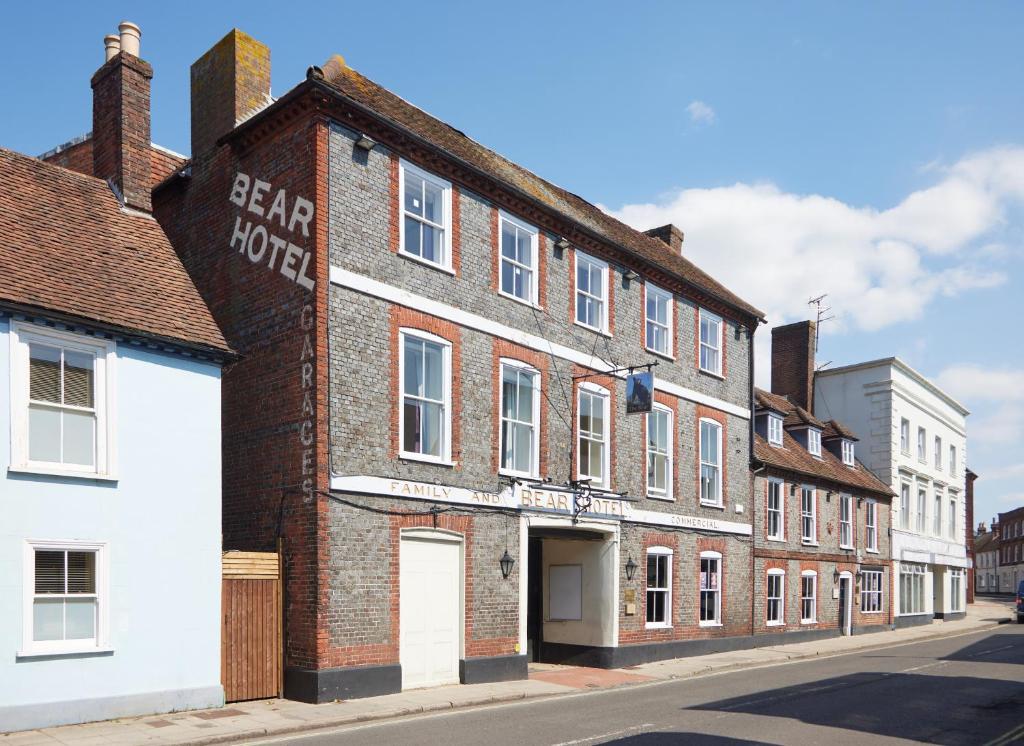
<point>879,267</point>
<point>1012,471</point>
<point>701,113</point>
<point>976,382</point>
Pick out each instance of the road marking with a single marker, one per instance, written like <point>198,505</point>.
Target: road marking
<point>611,734</point>
<point>1009,737</point>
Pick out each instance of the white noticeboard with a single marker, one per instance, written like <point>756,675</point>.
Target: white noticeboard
<point>565,592</point>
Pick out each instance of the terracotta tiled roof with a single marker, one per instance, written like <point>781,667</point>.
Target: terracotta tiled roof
<point>69,247</point>
<point>365,92</point>
<point>799,417</point>
<point>791,456</point>
<point>835,429</point>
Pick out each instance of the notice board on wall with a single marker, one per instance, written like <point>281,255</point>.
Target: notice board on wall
<point>565,592</point>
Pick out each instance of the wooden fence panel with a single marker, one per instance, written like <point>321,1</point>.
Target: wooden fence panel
<point>251,637</point>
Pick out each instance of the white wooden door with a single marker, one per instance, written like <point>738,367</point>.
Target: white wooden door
<point>431,613</point>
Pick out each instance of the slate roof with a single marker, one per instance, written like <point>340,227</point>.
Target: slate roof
<point>69,247</point>
<point>986,542</point>
<point>349,83</point>
<point>793,457</point>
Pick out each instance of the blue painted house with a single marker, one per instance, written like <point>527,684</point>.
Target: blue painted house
<point>110,454</point>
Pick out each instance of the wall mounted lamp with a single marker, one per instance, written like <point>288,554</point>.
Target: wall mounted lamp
<point>365,143</point>
<point>506,563</point>
<point>629,275</point>
<point>630,568</point>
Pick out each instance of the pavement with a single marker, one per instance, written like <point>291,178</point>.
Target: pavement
<point>244,721</point>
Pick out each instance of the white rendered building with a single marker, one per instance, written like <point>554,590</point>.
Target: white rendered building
<point>914,437</point>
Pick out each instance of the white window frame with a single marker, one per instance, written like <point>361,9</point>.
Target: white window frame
<point>813,598</point>
<point>814,442</point>
<point>912,594</point>
<point>848,452</point>
<point>952,459</point>
<point>810,516</point>
<point>701,344</point>
<point>871,526</point>
<point>104,354</point>
<point>101,643</point>
<point>521,367</point>
<point>867,591</point>
<point>717,501</point>
<point>905,505</point>
<point>937,501</point>
<point>905,436</point>
<point>717,621</point>
<point>938,453</point>
<point>666,552</point>
<point>846,526</point>
<point>781,598</point>
<point>659,295</point>
<point>446,422</point>
<point>446,244</point>
<point>953,509</point>
<point>594,390</point>
<point>922,506</point>
<point>667,493</point>
<point>778,487</point>
<point>922,444</point>
<point>603,266</point>
<point>956,578</point>
<point>774,429</point>
<point>534,269</point>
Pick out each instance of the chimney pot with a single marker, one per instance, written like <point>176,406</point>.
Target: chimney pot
<point>130,37</point>
<point>112,46</point>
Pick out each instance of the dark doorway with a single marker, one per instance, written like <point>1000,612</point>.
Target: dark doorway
<point>844,605</point>
<point>534,599</point>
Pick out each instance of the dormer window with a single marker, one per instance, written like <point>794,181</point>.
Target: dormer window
<point>774,430</point>
<point>848,452</point>
<point>814,442</point>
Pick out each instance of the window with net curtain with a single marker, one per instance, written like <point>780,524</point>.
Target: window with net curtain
<point>62,406</point>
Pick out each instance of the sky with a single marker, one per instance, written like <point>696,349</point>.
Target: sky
<point>873,152</point>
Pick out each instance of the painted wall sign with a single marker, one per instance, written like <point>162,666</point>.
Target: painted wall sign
<point>530,500</point>
<point>255,238</point>
<point>639,392</point>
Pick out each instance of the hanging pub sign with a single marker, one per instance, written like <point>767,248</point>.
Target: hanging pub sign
<point>639,392</point>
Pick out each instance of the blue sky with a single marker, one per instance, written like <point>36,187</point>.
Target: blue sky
<point>873,151</point>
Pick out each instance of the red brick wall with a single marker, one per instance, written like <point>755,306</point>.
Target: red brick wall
<point>793,363</point>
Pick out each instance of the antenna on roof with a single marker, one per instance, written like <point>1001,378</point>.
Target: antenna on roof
<point>819,304</point>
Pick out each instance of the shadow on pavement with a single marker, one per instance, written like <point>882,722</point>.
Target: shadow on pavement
<point>930,708</point>
<point>996,648</point>
<point>665,738</point>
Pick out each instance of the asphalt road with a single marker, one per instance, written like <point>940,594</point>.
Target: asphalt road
<point>962,690</point>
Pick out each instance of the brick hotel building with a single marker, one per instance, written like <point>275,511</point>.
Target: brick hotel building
<point>426,331</point>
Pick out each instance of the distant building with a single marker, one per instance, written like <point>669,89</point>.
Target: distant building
<point>986,560</point>
<point>1011,549</point>
<point>110,439</point>
<point>914,438</point>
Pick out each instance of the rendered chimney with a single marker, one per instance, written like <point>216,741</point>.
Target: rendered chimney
<point>112,45</point>
<point>670,235</point>
<point>229,84</point>
<point>793,363</point>
<point>120,120</point>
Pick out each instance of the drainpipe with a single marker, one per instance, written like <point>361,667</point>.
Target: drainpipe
<point>753,471</point>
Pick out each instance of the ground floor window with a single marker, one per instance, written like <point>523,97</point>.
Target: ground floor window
<point>956,585</point>
<point>912,589</point>
<point>64,597</point>
<point>776,589</point>
<point>871,591</point>
<point>808,597</point>
<point>710,588</point>
<point>659,587</point>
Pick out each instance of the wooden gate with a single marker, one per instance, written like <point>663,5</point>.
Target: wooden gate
<point>252,649</point>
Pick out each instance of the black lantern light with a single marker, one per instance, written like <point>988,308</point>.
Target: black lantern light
<point>506,563</point>
<point>630,568</point>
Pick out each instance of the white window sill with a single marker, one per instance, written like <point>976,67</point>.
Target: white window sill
<point>516,474</point>
<point>808,622</point>
<point>871,551</point>
<point>846,547</point>
<point>421,459</point>
<point>716,506</point>
<point>711,373</point>
<point>426,262</point>
<point>589,328</point>
<point>663,498</point>
<point>56,653</point>
<point>774,624</point>
<point>809,543</point>
<point>709,624</point>
<point>657,625</point>
<point>664,355</point>
<point>58,472</point>
<point>522,301</point>
<point>775,444</point>
<point>871,612</point>
<point>778,539</point>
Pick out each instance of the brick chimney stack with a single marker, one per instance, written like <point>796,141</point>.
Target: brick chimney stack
<point>670,234</point>
<point>120,119</point>
<point>230,83</point>
<point>793,363</point>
